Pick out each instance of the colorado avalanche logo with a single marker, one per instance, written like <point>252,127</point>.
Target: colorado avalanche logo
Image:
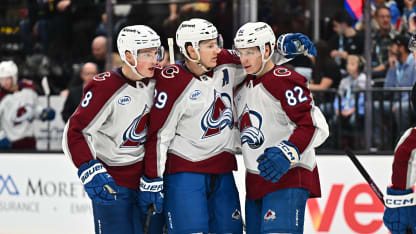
<point>135,134</point>
<point>250,134</point>
<point>23,113</point>
<point>170,71</point>
<point>219,115</point>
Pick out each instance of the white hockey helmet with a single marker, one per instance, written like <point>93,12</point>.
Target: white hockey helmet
<point>134,38</point>
<point>8,69</point>
<point>194,31</point>
<point>256,34</point>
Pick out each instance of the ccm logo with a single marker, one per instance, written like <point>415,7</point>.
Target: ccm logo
<point>399,202</point>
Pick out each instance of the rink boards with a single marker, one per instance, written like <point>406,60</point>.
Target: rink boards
<point>42,194</point>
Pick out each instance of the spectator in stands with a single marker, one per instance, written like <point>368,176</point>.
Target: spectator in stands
<point>99,52</point>
<point>325,75</point>
<point>47,21</point>
<point>346,40</point>
<point>409,12</point>
<point>75,94</point>
<point>401,73</point>
<point>348,113</point>
<point>18,109</point>
<point>382,40</point>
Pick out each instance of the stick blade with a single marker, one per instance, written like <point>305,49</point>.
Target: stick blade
<point>45,86</point>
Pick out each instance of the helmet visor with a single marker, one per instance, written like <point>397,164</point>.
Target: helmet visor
<point>211,44</point>
<point>151,54</point>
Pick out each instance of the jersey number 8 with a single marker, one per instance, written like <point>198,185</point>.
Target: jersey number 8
<point>87,98</point>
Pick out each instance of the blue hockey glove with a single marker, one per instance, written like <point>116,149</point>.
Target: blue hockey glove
<point>98,184</point>
<point>276,161</point>
<point>5,143</point>
<point>292,44</point>
<point>47,114</point>
<point>398,219</point>
<point>151,193</point>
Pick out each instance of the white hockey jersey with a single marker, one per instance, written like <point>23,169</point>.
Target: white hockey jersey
<point>404,164</point>
<point>192,121</point>
<point>110,124</point>
<point>17,112</point>
<point>275,107</point>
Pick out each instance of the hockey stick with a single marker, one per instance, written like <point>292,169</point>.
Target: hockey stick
<point>171,51</point>
<point>150,211</point>
<point>47,91</point>
<point>370,181</point>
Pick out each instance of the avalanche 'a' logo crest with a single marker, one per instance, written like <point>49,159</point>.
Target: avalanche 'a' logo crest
<point>249,124</point>
<point>219,115</point>
<point>135,134</point>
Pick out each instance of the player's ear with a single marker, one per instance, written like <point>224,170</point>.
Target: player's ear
<point>267,51</point>
<point>129,57</point>
<point>191,52</point>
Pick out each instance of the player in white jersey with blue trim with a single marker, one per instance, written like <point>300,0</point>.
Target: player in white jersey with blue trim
<point>191,140</point>
<point>105,136</point>
<point>280,126</point>
<point>400,213</point>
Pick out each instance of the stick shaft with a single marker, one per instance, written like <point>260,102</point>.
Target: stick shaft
<point>365,174</point>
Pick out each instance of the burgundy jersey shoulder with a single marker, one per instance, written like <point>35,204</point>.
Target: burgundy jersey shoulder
<point>26,84</point>
<point>281,78</point>
<point>108,82</point>
<point>173,79</point>
<point>228,57</point>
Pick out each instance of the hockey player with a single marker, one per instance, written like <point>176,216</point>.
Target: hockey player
<point>191,135</point>
<point>280,126</point>
<point>400,212</point>
<point>18,108</point>
<point>105,136</point>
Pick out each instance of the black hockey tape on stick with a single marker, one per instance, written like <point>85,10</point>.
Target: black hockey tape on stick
<point>150,212</point>
<point>370,181</point>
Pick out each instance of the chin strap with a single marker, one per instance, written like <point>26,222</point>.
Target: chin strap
<point>133,68</point>
<point>263,63</point>
<point>198,62</point>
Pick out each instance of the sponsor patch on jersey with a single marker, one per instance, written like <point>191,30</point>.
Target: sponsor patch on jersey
<point>280,71</point>
<point>195,94</point>
<point>270,216</point>
<point>124,100</point>
<point>236,215</point>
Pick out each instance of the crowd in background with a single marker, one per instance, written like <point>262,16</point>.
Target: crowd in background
<point>66,40</point>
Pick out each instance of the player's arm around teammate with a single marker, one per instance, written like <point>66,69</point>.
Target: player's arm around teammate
<point>279,127</point>
<point>105,136</point>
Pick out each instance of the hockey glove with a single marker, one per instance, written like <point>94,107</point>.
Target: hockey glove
<point>47,114</point>
<point>151,193</point>
<point>5,143</point>
<point>292,44</point>
<point>98,184</point>
<point>276,161</point>
<point>398,219</point>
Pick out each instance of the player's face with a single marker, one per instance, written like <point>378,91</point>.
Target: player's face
<point>250,59</point>
<point>208,50</point>
<point>147,59</point>
<point>6,83</point>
